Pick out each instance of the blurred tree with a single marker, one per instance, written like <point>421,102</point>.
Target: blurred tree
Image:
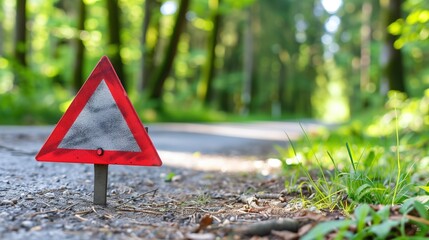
<point>230,79</point>
<point>205,91</point>
<point>115,45</point>
<point>78,77</point>
<point>2,18</point>
<point>392,61</point>
<point>413,34</point>
<point>313,47</point>
<point>20,38</point>
<point>248,59</point>
<point>365,39</point>
<point>151,20</point>
<point>272,57</point>
<point>162,72</point>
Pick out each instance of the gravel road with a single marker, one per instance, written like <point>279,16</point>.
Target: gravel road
<point>54,200</point>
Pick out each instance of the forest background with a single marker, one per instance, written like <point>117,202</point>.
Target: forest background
<point>195,60</point>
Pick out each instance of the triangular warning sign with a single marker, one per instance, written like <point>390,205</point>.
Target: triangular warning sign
<point>100,126</point>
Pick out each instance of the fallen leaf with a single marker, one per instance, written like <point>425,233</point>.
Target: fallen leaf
<point>205,221</point>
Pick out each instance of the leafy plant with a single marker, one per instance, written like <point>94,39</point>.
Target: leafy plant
<point>378,222</point>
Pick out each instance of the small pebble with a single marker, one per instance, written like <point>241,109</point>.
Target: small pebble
<point>66,192</point>
<point>42,216</point>
<point>29,197</point>
<point>6,202</point>
<point>176,178</point>
<point>149,182</point>
<point>312,209</point>
<point>27,224</point>
<point>50,195</point>
<point>36,228</point>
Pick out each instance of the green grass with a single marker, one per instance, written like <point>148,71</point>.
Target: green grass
<point>371,160</point>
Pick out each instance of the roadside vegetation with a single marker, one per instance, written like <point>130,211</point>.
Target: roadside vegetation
<point>372,169</point>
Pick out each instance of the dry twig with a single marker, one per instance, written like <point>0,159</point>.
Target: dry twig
<point>139,196</point>
<point>265,227</point>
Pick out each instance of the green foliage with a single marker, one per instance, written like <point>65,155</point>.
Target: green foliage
<point>298,66</point>
<point>415,26</point>
<point>383,223</point>
<point>378,160</point>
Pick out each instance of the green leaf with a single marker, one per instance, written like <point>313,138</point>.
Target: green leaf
<point>421,209</point>
<point>382,230</point>
<point>361,214</point>
<point>369,159</point>
<point>362,191</point>
<point>381,215</point>
<point>351,156</point>
<point>425,188</point>
<point>169,177</point>
<point>324,228</point>
<point>407,206</point>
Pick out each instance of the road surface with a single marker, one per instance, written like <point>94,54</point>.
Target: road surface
<point>43,200</point>
<point>219,147</point>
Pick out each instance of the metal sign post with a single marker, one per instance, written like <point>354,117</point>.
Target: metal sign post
<point>100,183</point>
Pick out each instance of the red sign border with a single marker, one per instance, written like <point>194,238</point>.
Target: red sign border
<point>103,71</point>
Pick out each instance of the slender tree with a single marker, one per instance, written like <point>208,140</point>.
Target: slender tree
<point>80,48</point>
<point>365,39</point>
<point>164,69</point>
<point>392,62</point>
<point>148,6</point>
<point>20,32</point>
<point>20,40</point>
<point>114,31</point>
<point>151,20</point>
<point>2,17</point>
<point>206,92</point>
<point>145,27</point>
<point>248,61</point>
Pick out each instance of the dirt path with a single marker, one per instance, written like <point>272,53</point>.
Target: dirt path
<point>210,185</point>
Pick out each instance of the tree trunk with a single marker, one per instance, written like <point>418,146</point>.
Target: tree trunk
<point>206,85</point>
<point>392,61</point>
<point>365,50</point>
<point>281,86</point>
<point>149,52</point>
<point>358,97</point>
<point>2,17</point>
<point>148,8</point>
<point>20,32</point>
<point>114,31</point>
<point>246,95</point>
<point>78,78</point>
<point>20,39</point>
<point>164,70</point>
<point>233,68</point>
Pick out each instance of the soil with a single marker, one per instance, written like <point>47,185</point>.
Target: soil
<point>54,200</point>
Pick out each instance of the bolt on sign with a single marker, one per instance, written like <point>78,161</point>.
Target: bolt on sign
<point>100,127</point>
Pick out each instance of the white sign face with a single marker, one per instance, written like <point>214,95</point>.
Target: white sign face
<point>100,124</point>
